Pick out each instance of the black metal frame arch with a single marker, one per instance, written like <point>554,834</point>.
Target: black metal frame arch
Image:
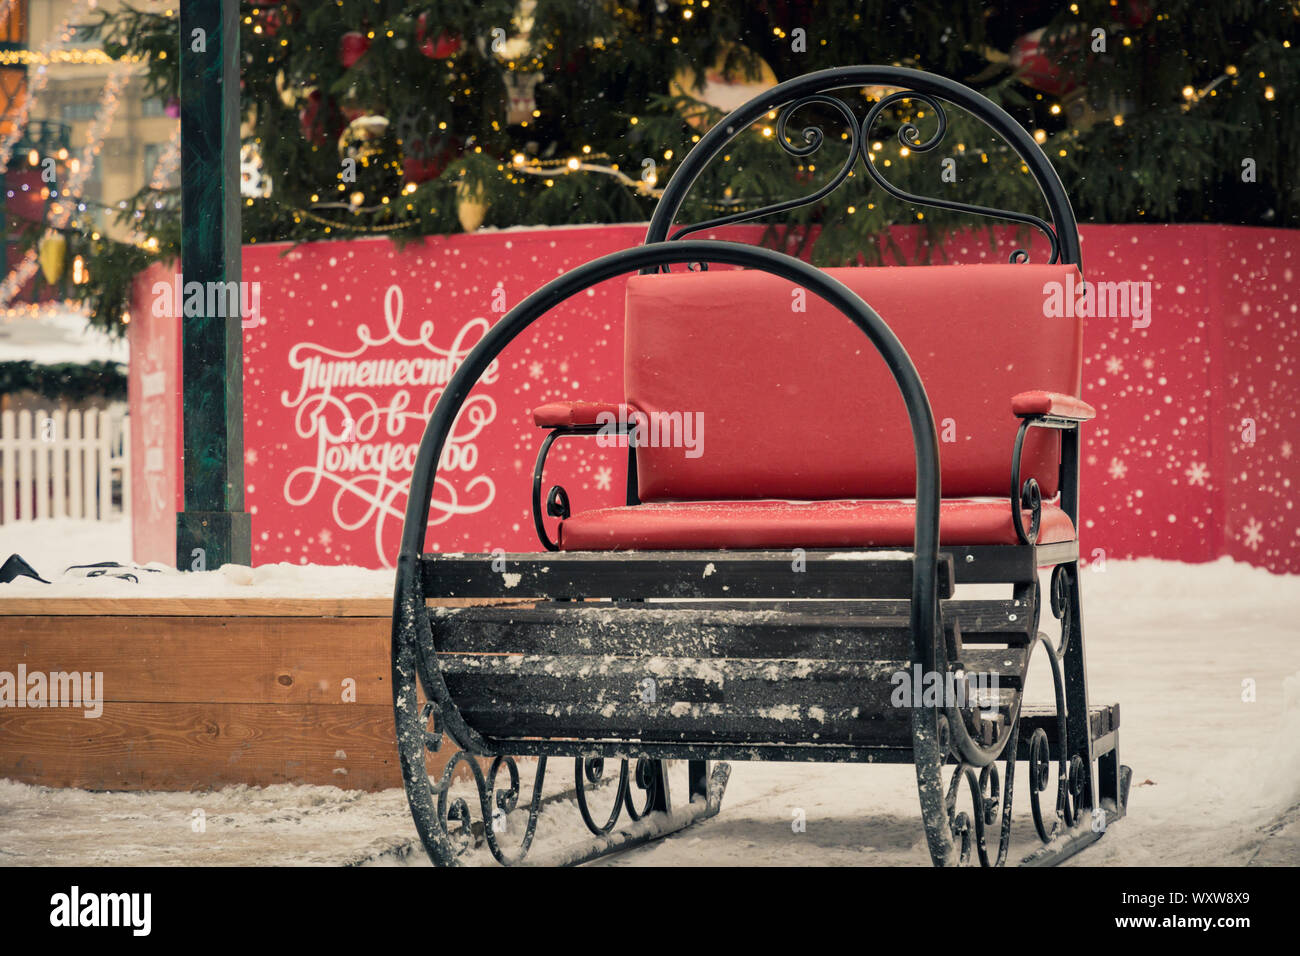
<point>410,617</point>
<point>793,94</point>
<point>924,435</point>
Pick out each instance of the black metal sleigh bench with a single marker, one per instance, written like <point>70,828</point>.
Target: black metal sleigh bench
<point>789,593</point>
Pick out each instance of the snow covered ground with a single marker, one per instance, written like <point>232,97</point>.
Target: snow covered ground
<point>1216,779</point>
<point>52,546</point>
<point>59,334</point>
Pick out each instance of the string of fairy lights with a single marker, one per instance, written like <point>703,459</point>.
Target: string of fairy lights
<point>63,207</point>
<point>516,169</point>
<point>62,34</point>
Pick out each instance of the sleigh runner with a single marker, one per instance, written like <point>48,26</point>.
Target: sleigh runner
<point>759,600</point>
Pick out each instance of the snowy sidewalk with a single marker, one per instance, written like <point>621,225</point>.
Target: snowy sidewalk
<point>1216,780</point>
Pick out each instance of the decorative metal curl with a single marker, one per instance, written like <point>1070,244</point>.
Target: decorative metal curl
<point>1069,770</point>
<point>962,823</point>
<point>557,502</point>
<point>557,499</point>
<point>495,805</point>
<point>1062,601</point>
<point>813,138</point>
<point>1026,496</point>
<point>1031,500</point>
<point>588,771</point>
<point>987,799</point>
<point>647,778</point>
<point>909,135</point>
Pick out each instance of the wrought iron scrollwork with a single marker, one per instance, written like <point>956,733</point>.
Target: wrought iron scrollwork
<point>990,793</point>
<point>1061,603</point>
<point>459,825</point>
<point>455,818</point>
<point>557,499</point>
<point>910,136</point>
<point>813,138</point>
<point>1068,768</point>
<point>589,772</point>
<point>1027,496</point>
<point>988,798</point>
<point>860,136</point>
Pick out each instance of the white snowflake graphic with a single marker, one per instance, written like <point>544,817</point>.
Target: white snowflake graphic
<point>1253,537</point>
<point>1117,468</point>
<point>250,456</point>
<point>1148,363</point>
<point>1197,473</point>
<point>325,537</point>
<point>1286,449</point>
<point>535,370</point>
<point>1114,365</point>
<point>604,478</point>
<point>564,367</point>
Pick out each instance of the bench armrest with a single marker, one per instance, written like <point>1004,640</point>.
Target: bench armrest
<point>570,414</point>
<point>1052,404</point>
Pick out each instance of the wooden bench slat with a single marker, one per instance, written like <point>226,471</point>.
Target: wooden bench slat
<point>712,722</point>
<point>681,631</point>
<point>673,574</point>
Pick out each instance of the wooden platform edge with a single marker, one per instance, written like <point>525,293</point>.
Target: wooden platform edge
<point>209,607</point>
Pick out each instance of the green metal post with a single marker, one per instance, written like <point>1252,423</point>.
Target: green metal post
<point>213,529</point>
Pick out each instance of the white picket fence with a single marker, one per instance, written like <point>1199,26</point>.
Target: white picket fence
<point>63,465</point>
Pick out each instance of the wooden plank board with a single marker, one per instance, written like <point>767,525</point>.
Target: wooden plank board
<point>148,746</point>
<point>215,607</point>
<point>674,574</point>
<point>680,630</point>
<point>274,660</point>
<point>198,607</point>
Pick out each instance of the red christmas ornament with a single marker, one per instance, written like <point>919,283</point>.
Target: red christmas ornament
<point>320,119</point>
<point>1137,13</point>
<point>272,24</point>
<point>352,46</point>
<point>420,166</point>
<point>435,48</point>
<point>1038,67</point>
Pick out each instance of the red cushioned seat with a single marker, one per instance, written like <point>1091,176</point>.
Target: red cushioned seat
<point>687,525</point>
<point>801,438</point>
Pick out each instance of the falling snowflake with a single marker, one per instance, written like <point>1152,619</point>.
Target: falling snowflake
<point>1286,449</point>
<point>1253,537</point>
<point>1114,365</point>
<point>1148,363</point>
<point>1197,473</point>
<point>604,478</point>
<point>250,456</point>
<point>1117,468</point>
<point>535,370</point>
<point>564,367</point>
<point>325,537</point>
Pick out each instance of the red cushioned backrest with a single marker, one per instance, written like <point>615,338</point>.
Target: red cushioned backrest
<point>800,405</point>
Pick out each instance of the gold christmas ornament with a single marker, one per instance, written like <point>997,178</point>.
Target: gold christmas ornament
<point>725,89</point>
<point>361,140</point>
<point>53,256</point>
<point>471,206</point>
<point>289,96</point>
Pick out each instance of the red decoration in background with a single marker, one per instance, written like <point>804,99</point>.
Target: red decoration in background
<point>1137,13</point>
<point>419,170</point>
<point>352,47</point>
<point>436,48</point>
<point>1193,454</point>
<point>321,120</point>
<point>1037,65</point>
